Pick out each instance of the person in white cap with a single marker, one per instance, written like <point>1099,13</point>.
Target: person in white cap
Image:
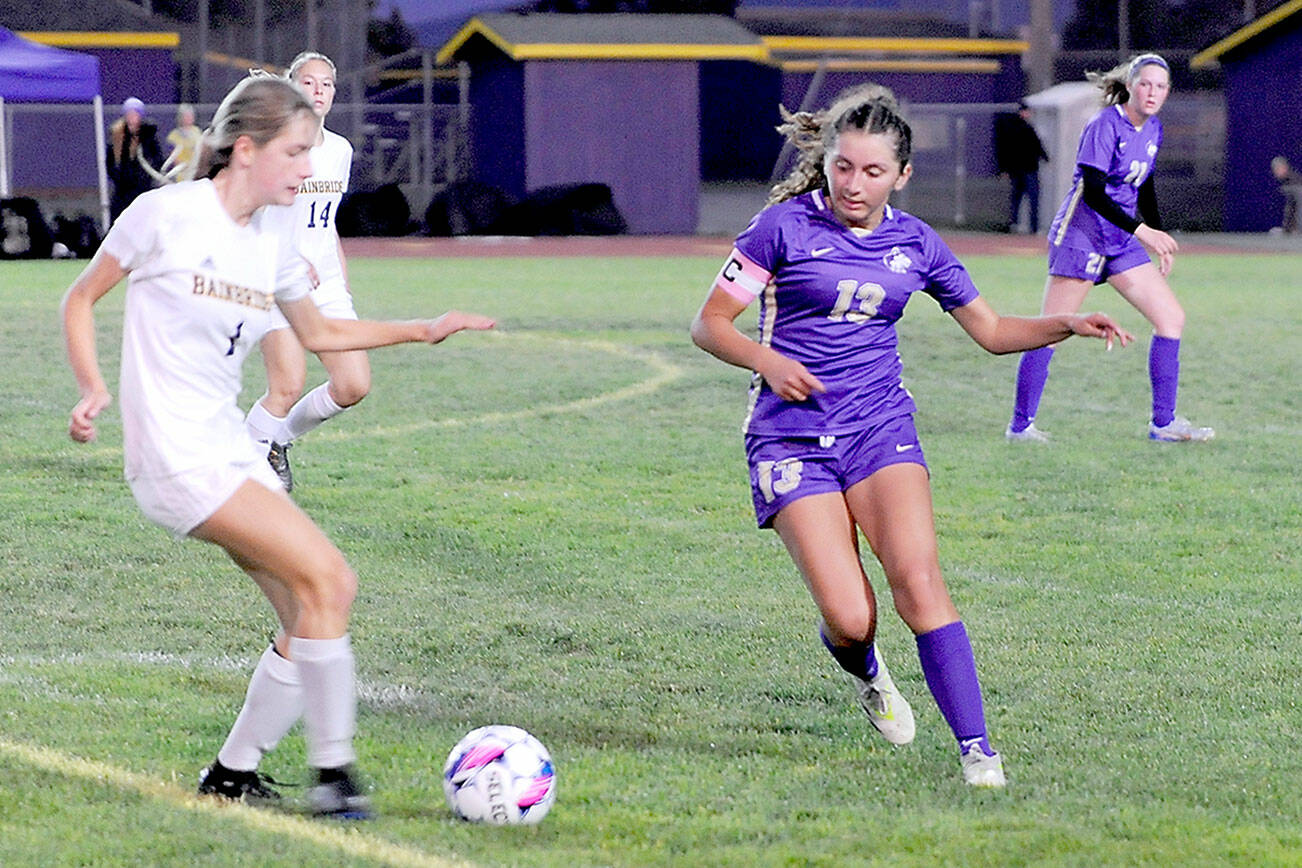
<point>133,145</point>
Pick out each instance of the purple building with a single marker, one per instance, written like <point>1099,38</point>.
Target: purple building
<point>652,105</point>
<point>139,63</point>
<point>1262,68</point>
<point>611,99</point>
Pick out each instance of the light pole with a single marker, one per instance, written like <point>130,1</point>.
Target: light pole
<point>1123,28</point>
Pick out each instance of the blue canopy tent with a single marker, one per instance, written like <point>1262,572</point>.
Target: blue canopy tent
<point>31,72</point>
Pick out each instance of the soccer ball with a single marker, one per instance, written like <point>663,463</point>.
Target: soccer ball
<point>501,775</point>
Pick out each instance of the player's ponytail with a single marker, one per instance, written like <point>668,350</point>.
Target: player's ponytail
<point>867,108</point>
<point>1115,83</point>
<point>258,107</point>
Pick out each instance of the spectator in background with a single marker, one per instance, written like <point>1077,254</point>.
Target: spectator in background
<point>1290,187</point>
<point>185,140</point>
<point>132,152</point>
<point>1018,152</point>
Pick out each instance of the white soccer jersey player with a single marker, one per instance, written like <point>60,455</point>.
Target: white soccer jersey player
<point>199,297</point>
<point>309,224</point>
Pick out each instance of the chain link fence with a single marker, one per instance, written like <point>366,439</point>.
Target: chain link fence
<point>422,148</point>
<point>52,151</point>
<point>955,183</point>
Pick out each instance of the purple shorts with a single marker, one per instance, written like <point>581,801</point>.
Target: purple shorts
<point>785,469</point>
<point>1091,265</point>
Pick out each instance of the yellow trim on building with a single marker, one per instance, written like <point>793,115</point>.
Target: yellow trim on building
<point>100,39</point>
<point>977,67</point>
<point>1212,54</point>
<point>599,50</point>
<point>637,51</point>
<point>474,27</point>
<point>824,44</point>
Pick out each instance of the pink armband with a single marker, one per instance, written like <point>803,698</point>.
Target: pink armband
<point>741,278</point>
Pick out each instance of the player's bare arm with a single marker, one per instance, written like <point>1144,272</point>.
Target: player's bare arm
<point>1011,334</point>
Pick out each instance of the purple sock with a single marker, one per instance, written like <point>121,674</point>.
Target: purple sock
<point>858,660</point>
<point>950,670</point>
<point>1164,372</point>
<point>1032,374</point>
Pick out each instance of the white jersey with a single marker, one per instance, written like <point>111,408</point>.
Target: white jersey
<point>309,224</point>
<point>199,297</point>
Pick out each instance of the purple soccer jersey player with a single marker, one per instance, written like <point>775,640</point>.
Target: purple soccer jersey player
<point>830,438</point>
<point>830,299</point>
<point>1101,233</point>
<point>1125,154</point>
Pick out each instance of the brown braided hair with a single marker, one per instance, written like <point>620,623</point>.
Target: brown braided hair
<point>868,108</point>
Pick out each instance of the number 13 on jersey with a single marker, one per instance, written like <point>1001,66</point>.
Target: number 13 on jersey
<point>866,298</point>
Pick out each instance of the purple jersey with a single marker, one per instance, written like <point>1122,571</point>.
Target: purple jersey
<point>829,298</point>
<point>1125,155</point>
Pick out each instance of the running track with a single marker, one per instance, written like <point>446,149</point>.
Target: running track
<point>962,243</point>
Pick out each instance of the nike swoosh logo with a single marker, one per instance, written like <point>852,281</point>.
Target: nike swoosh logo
<point>819,251</point>
<point>903,447</point>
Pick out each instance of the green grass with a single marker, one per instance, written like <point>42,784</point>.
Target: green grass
<point>552,529</point>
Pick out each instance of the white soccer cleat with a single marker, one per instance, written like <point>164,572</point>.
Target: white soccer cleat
<point>1029,434</point>
<point>1179,430</point>
<point>981,769</point>
<point>886,708</point>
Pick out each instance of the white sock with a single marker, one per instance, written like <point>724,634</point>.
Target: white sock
<point>264,427</point>
<point>272,705</point>
<point>329,699</point>
<point>310,411</point>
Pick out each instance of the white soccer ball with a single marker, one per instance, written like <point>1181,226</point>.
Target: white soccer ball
<point>501,775</point>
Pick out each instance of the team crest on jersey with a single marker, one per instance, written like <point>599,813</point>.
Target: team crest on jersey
<point>897,261</point>
<point>1152,148</point>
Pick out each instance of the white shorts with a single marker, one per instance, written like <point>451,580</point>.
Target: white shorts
<point>182,502</point>
<point>332,298</point>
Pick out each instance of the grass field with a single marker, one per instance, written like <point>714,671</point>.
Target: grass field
<point>552,529</point>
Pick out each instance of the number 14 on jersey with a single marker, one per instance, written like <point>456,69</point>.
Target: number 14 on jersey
<point>319,218</point>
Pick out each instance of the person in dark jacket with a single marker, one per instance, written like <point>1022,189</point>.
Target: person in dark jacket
<point>132,151</point>
<point>1290,187</point>
<point>1018,152</point>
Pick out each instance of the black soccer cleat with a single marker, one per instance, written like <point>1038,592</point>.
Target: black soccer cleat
<point>278,458</point>
<point>250,787</point>
<point>337,796</point>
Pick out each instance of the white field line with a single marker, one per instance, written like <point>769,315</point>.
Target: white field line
<point>350,841</point>
<point>664,373</point>
<point>379,695</point>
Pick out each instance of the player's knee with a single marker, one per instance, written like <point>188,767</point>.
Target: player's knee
<point>1170,323</point>
<point>920,597</point>
<point>330,588</point>
<point>850,627</point>
<point>350,390</point>
<point>282,393</point>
